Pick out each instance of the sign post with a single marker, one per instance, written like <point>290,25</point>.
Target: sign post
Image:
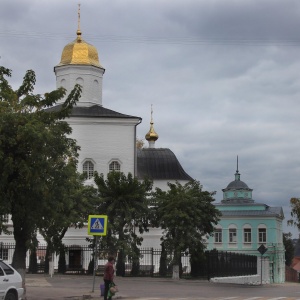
<point>262,250</point>
<point>97,226</point>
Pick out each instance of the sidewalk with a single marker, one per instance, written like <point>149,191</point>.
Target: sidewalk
<point>79,287</point>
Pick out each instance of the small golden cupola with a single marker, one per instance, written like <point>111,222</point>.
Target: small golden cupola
<point>151,136</point>
<point>79,52</point>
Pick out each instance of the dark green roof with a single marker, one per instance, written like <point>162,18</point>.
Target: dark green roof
<point>159,163</point>
<point>94,111</point>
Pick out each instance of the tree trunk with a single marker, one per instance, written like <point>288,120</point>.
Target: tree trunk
<point>19,257</point>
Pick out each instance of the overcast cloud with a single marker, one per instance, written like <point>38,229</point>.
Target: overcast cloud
<point>222,75</point>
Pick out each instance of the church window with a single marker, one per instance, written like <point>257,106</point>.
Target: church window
<point>218,235</point>
<point>114,166</point>
<point>88,168</point>
<point>4,254</point>
<point>262,235</point>
<point>247,235</point>
<point>232,235</point>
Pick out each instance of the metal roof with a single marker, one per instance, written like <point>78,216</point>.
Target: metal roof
<point>268,212</point>
<point>237,184</point>
<point>94,111</point>
<point>159,163</point>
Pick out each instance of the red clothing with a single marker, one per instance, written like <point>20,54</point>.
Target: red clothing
<point>109,271</point>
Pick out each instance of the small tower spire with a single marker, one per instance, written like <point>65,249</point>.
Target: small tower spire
<point>78,28</point>
<point>151,136</point>
<point>237,174</point>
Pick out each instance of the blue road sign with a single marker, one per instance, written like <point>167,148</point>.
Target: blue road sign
<point>97,225</point>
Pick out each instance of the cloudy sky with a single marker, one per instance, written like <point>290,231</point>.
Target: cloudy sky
<point>223,77</point>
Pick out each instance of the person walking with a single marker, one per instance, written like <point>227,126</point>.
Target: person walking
<point>108,276</point>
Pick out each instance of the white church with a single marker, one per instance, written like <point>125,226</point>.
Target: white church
<point>107,138</point>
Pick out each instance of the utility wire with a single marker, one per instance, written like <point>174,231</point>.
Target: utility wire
<point>154,40</point>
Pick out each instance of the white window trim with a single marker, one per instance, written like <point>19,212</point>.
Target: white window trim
<point>94,165</point>
<point>262,226</point>
<point>220,234</point>
<point>112,161</point>
<point>230,230</point>
<point>248,234</point>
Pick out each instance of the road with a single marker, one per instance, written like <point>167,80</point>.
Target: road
<point>74,287</point>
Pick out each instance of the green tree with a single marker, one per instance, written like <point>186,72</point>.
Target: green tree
<point>124,199</point>
<point>36,154</point>
<point>289,248</point>
<point>75,202</point>
<point>186,214</point>
<point>295,213</point>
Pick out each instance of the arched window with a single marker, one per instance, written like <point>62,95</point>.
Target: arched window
<point>218,234</point>
<point>262,233</point>
<point>114,166</point>
<point>88,168</point>
<point>247,232</point>
<point>232,234</point>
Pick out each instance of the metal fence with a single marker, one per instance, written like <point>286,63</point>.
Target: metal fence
<point>151,262</point>
<point>225,264</point>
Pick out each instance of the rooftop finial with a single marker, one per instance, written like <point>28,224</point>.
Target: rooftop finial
<point>151,121</point>
<point>237,174</point>
<point>151,136</point>
<point>78,29</point>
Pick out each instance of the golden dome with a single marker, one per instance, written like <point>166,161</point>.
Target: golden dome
<point>151,135</point>
<point>80,53</point>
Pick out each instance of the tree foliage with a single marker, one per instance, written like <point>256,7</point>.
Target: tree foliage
<point>289,248</point>
<point>295,213</point>
<point>36,157</point>
<point>186,214</point>
<point>140,143</point>
<point>124,199</point>
<point>75,202</point>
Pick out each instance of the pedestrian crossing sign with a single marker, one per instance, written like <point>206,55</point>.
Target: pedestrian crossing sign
<point>97,225</point>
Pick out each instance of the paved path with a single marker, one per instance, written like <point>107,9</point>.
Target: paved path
<point>76,287</point>
<point>226,298</point>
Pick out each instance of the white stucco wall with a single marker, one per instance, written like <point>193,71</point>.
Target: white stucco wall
<point>103,140</point>
<point>89,77</point>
